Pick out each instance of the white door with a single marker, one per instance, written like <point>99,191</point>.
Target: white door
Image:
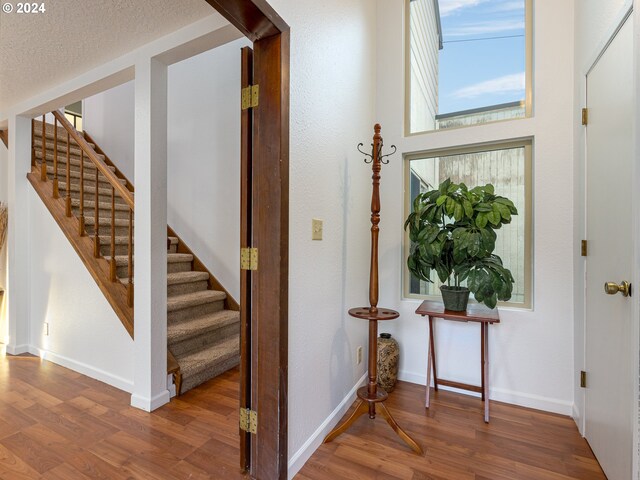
<point>609,359</point>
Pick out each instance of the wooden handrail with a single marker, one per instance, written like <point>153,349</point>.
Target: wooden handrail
<point>120,189</point>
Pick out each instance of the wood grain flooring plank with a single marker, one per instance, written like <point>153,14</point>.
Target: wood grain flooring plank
<point>83,429</point>
<point>31,452</point>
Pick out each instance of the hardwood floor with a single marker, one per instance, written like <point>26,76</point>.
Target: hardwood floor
<point>56,424</point>
<point>518,444</point>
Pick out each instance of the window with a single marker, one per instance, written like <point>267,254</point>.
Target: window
<point>73,113</point>
<point>469,62</point>
<point>507,166</point>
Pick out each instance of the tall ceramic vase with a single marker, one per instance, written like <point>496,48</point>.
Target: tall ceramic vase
<point>388,356</point>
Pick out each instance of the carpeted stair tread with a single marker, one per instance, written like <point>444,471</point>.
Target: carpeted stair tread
<point>62,148</point>
<point>179,302</point>
<point>171,258</point>
<point>62,137</point>
<point>74,175</point>
<point>74,159</point>
<point>91,204</point>
<point>105,221</point>
<point>124,240</point>
<point>186,277</point>
<point>199,366</point>
<point>202,325</point>
<point>88,189</point>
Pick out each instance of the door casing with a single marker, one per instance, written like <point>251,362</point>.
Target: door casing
<point>626,10</point>
<point>269,225</point>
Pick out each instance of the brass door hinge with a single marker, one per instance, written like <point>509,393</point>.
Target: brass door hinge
<point>583,248</point>
<point>249,258</point>
<point>585,116</point>
<point>250,96</point>
<point>248,420</point>
<point>583,379</point>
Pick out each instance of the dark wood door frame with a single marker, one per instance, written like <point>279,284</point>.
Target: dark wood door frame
<point>269,225</point>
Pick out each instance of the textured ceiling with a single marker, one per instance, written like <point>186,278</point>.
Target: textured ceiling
<point>39,51</point>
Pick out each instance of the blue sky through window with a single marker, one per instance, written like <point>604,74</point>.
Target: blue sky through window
<point>483,59</point>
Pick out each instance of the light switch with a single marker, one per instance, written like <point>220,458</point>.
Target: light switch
<point>316,229</point>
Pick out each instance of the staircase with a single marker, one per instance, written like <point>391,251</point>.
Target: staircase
<point>203,321</point>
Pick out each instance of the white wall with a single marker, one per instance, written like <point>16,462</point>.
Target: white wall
<point>204,158</point>
<point>594,21</point>
<point>84,332</point>
<point>109,119</point>
<point>531,360</point>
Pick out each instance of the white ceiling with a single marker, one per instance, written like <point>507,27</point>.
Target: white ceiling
<point>39,51</point>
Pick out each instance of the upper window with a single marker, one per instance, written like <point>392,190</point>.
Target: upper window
<point>469,62</point>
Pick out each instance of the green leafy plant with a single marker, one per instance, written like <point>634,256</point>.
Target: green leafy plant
<point>452,231</point>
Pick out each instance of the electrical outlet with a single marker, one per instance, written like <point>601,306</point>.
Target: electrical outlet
<point>316,229</point>
<point>46,329</point>
<point>358,355</point>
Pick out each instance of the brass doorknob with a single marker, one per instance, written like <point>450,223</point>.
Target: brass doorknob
<point>611,288</point>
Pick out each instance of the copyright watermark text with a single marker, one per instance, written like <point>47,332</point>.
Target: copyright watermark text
<point>28,7</point>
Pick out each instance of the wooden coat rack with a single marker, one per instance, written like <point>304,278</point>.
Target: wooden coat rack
<point>371,396</point>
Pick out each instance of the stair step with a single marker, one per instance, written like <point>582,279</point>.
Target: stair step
<point>90,221</point>
<point>181,283</point>
<point>89,190</point>
<point>89,177</point>
<point>73,159</point>
<point>199,366</point>
<point>122,245</point>
<point>195,299</point>
<point>124,240</point>
<point>185,277</point>
<point>122,210</point>
<point>62,147</point>
<point>62,136</point>
<point>123,260</point>
<point>194,304</point>
<point>176,262</point>
<point>202,326</point>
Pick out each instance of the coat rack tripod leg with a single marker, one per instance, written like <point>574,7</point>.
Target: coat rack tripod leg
<point>361,408</point>
<point>370,396</point>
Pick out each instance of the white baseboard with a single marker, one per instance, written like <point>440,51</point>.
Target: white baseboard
<point>17,349</point>
<point>150,404</point>
<point>521,399</point>
<point>100,375</point>
<point>575,414</point>
<point>303,454</point>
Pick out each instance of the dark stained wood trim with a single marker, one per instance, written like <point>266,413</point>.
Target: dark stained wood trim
<point>115,292</point>
<point>256,19</point>
<point>4,136</point>
<point>271,237</point>
<point>246,205</point>
<point>108,161</point>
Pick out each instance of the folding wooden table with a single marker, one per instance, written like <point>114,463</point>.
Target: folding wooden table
<point>475,313</point>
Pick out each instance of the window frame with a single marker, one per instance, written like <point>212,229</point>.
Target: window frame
<point>528,144</point>
<point>528,91</point>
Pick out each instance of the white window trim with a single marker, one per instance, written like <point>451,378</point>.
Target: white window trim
<point>527,143</point>
<point>529,87</point>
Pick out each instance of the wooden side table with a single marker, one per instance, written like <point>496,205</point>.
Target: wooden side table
<point>475,313</point>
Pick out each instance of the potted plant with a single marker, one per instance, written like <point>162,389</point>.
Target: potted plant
<point>452,231</point>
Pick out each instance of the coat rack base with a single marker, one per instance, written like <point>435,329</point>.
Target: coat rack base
<point>366,406</point>
<point>371,398</point>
